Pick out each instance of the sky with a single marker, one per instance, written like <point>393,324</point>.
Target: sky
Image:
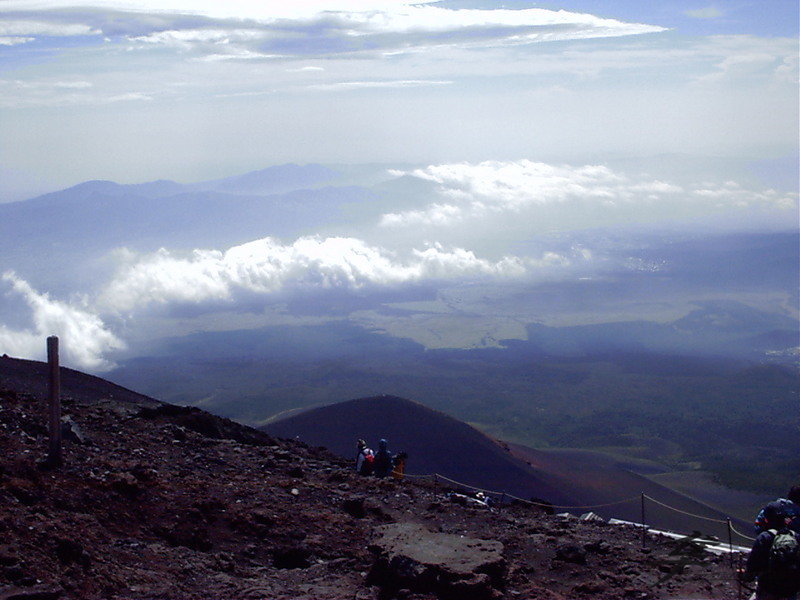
<point>525,118</point>
<point>133,90</point>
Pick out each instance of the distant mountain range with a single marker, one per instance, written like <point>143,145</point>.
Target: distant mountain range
<point>39,237</point>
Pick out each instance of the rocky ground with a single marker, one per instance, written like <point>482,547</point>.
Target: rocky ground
<point>159,502</point>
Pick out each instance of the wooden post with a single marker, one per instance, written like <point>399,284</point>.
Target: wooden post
<point>730,542</point>
<point>644,527</point>
<point>54,457</point>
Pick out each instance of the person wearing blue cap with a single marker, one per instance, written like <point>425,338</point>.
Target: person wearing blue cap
<point>383,460</point>
<point>775,558</point>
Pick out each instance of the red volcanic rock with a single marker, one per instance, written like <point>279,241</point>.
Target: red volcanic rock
<point>177,504</point>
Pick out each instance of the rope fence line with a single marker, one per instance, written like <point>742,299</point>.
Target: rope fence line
<point>625,501</point>
<point>683,512</point>
<point>726,522</point>
<point>739,533</point>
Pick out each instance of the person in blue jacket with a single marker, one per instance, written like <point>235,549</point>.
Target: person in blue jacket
<point>789,505</point>
<point>777,580</point>
<point>383,460</point>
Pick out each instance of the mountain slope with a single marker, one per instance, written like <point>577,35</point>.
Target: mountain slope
<point>153,505</point>
<point>437,443</point>
<point>31,377</point>
<point>434,442</point>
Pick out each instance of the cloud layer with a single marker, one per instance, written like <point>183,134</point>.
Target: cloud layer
<point>266,267</point>
<point>85,338</point>
<point>473,192</point>
<point>268,29</point>
<point>489,209</point>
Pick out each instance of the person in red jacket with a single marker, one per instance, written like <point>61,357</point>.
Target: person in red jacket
<point>365,459</point>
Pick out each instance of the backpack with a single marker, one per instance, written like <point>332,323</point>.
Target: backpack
<point>783,563</point>
<point>369,462</point>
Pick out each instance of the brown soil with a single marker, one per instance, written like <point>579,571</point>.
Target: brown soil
<point>170,503</point>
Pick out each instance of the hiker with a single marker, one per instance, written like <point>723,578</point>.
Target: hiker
<point>399,465</point>
<point>791,505</point>
<point>383,460</point>
<point>365,459</point>
<point>775,557</point>
<point>483,498</point>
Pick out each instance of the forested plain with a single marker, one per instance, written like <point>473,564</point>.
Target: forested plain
<point>734,418</point>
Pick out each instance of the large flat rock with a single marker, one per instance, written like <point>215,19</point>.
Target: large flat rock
<point>451,566</point>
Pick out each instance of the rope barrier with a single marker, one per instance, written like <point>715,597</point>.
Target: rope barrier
<point>739,533</point>
<point>586,506</point>
<point>472,487</point>
<point>416,476</point>
<point>531,502</point>
<point>626,500</point>
<point>683,512</point>
<point>642,496</point>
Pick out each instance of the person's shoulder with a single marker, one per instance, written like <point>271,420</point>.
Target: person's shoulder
<point>765,537</point>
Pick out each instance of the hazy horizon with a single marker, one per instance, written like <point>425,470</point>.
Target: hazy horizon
<point>446,172</point>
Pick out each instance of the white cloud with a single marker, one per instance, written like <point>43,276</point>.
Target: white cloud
<point>709,12</point>
<point>357,85</point>
<point>186,38</point>
<point>506,189</point>
<point>231,9</point>
<point>732,194</point>
<point>58,92</point>
<point>14,40</point>
<point>23,27</point>
<point>324,27</point>
<point>84,338</point>
<point>746,59</point>
<point>266,266</point>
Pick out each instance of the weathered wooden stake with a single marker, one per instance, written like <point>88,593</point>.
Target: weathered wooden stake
<point>54,457</point>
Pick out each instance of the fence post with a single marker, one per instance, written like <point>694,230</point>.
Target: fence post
<point>644,527</point>
<point>730,540</point>
<point>436,483</point>
<point>54,456</point>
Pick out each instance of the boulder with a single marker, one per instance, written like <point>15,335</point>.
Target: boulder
<point>408,556</point>
<point>71,431</point>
